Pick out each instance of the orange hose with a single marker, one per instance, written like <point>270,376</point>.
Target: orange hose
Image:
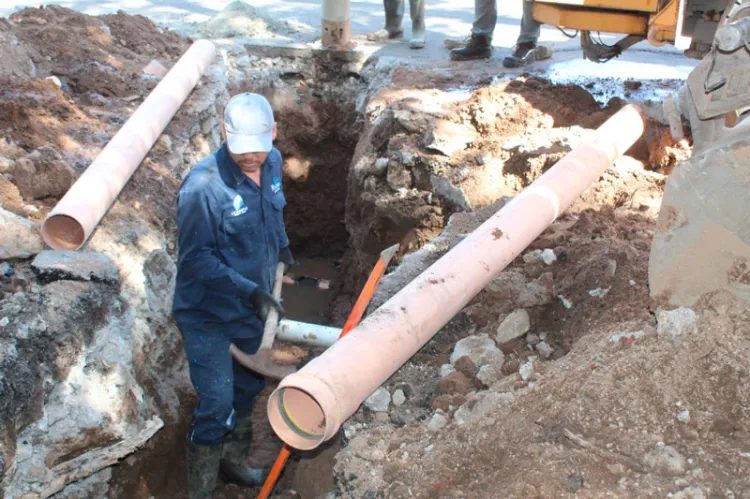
<point>351,322</point>
<point>364,298</point>
<point>276,469</point>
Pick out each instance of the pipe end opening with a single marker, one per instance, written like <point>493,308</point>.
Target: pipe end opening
<point>297,418</point>
<point>63,232</point>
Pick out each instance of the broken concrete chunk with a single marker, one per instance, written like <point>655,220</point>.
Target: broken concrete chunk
<point>539,292</point>
<point>155,68</point>
<point>413,122</point>
<point>76,266</point>
<point>43,173</point>
<point>526,370</point>
<point>549,257</point>
<point>18,237</point>
<point>449,193</point>
<point>532,256</point>
<point>448,138</point>
<point>379,400</point>
<point>599,292</point>
<point>480,348</point>
<point>516,324</point>
<point>666,460</point>
<point>674,323</point>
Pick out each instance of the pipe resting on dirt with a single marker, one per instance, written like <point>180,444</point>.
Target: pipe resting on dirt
<point>71,222</point>
<point>310,406</point>
<point>307,333</point>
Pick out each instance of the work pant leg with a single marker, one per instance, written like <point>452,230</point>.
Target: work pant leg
<point>247,384</point>
<point>530,29</point>
<point>485,17</point>
<point>394,15</point>
<point>416,10</point>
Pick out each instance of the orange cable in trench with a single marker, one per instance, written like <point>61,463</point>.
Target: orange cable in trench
<point>368,291</point>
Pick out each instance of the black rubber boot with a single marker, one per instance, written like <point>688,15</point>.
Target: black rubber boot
<point>236,448</point>
<point>478,47</point>
<point>522,55</point>
<point>202,462</point>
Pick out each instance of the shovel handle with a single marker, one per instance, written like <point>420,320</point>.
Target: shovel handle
<point>272,321</point>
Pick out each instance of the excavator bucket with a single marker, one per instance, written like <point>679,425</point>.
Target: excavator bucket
<point>702,240</point>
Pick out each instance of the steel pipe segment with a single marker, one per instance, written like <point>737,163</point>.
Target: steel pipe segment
<point>309,407</point>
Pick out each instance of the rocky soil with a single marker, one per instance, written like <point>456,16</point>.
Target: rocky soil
<point>560,378</point>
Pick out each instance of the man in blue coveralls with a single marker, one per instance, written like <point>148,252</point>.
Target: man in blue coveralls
<point>231,234</point>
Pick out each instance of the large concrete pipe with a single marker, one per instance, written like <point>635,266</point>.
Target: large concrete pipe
<point>309,407</point>
<point>336,29</point>
<point>74,218</point>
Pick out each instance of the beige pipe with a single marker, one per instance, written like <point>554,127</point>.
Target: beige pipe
<point>336,30</point>
<point>75,217</point>
<point>308,407</point>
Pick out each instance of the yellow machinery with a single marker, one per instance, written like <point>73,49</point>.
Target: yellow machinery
<point>702,241</point>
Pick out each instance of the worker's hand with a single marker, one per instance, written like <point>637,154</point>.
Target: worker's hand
<point>285,257</point>
<point>263,303</point>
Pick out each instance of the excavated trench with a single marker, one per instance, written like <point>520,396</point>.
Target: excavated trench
<point>367,164</point>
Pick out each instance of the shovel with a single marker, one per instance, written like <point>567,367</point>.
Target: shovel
<point>263,361</point>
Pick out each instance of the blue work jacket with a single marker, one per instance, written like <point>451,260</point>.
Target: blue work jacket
<point>229,232</point>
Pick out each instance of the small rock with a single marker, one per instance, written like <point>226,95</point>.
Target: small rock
<point>684,416</point>
<point>490,374</point>
<point>55,80</point>
<point>448,138</point>
<point>76,265</point>
<point>442,402</point>
<point>526,370</point>
<point>532,339</point>
<point>449,193</point>
<point>349,431</point>
<point>382,417</point>
<point>675,323</point>
<point>18,237</point>
<point>466,366</point>
<point>398,398</point>
<point>6,269</point>
<point>632,84</point>
<point>539,292</point>
<point>599,292</point>
<point>566,303</point>
<point>615,338</point>
<point>516,324</point>
<point>691,492</point>
<point>533,256</point>
<point>549,257</point>
<point>575,483</point>
<point>455,383</point>
<point>666,460</point>
<point>611,268</point>
<point>631,283</point>
<point>381,164</point>
<point>398,177</point>
<point>437,422</point>
<point>4,322</point>
<point>544,349</point>
<point>512,366</point>
<point>480,348</point>
<point>446,369</point>
<point>379,400</point>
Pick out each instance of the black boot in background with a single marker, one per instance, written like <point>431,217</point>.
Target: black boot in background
<point>478,47</point>
<point>236,448</point>
<point>202,462</point>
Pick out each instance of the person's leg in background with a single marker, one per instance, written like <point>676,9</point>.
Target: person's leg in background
<point>526,50</point>
<point>394,15</point>
<point>416,10</point>
<point>247,386</point>
<point>479,45</point>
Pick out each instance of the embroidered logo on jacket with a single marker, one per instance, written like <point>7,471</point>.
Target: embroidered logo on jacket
<point>239,206</point>
<point>275,185</point>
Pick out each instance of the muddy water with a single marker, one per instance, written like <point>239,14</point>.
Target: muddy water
<point>306,302</point>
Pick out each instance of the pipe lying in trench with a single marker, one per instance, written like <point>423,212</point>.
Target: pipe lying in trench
<point>307,333</point>
<point>71,222</point>
<point>310,406</point>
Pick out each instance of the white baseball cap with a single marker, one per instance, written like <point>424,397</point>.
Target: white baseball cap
<point>248,119</point>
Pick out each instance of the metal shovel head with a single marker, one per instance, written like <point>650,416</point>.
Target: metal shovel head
<point>264,363</point>
<point>702,240</point>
